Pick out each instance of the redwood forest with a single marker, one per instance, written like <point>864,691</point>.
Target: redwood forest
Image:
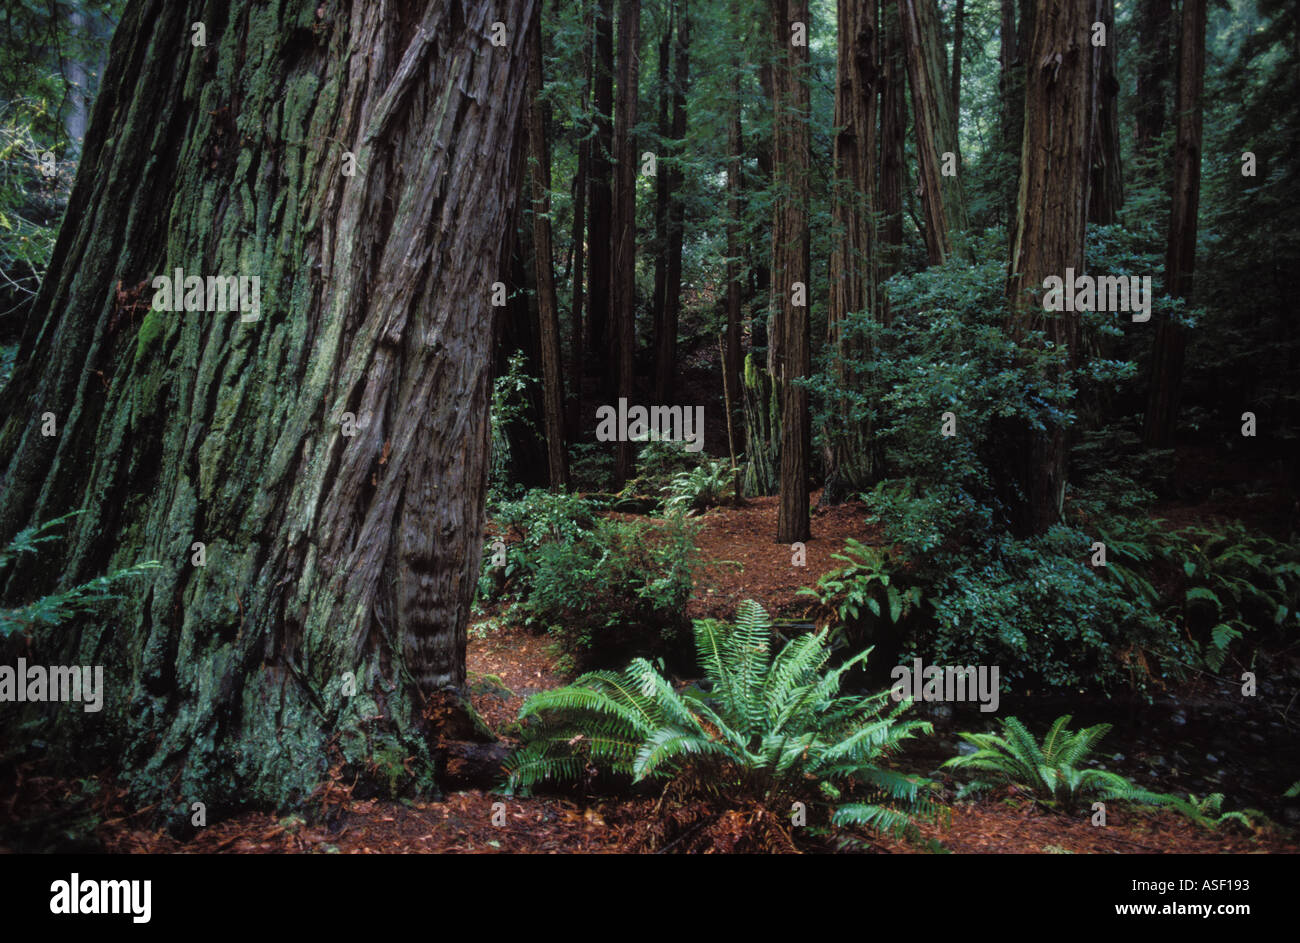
<point>650,426</point>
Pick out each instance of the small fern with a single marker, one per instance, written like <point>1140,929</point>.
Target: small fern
<point>1050,770</point>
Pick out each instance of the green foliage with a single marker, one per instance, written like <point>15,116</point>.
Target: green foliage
<point>769,727</point>
<point>1208,813</point>
<point>1226,587</point>
<point>704,486</point>
<point>659,463</point>
<point>57,608</point>
<point>1051,771</point>
<point>605,588</point>
<point>509,408</point>
<point>866,595</point>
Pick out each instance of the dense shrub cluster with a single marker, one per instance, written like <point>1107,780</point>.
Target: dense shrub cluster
<point>605,588</point>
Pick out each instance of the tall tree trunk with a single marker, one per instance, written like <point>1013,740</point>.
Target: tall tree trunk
<point>893,130</point>
<point>1180,253</point>
<point>600,200</point>
<point>331,559</point>
<point>1152,74</point>
<point>577,368</point>
<point>1011,110</point>
<point>1049,238</point>
<point>735,188</point>
<point>666,356</point>
<point>659,247</point>
<point>548,315</point>
<point>853,263</point>
<point>1106,193</point>
<point>622,301</point>
<point>936,134</point>
<point>958,36</point>
<point>789,348</point>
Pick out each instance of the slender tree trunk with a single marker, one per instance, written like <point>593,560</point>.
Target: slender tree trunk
<point>1180,253</point>
<point>789,348</point>
<point>332,454</point>
<point>1153,17</point>
<point>1107,187</point>
<point>659,247</point>
<point>600,200</point>
<point>548,315</point>
<point>577,368</point>
<point>936,134</point>
<point>853,263</point>
<point>1011,112</point>
<point>735,187</point>
<point>958,37</point>
<point>893,129</point>
<point>1049,238</point>
<point>622,302</point>
<point>666,357</point>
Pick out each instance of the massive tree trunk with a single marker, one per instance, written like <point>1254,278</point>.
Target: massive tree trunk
<point>548,315</point>
<point>332,559</point>
<point>789,348</point>
<point>600,199</point>
<point>666,339</point>
<point>853,263</point>
<point>1049,238</point>
<point>622,299</point>
<point>1106,193</point>
<point>936,134</point>
<point>1180,252</point>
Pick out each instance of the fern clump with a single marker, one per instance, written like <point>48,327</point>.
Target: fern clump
<point>759,733</point>
<point>57,608</point>
<point>1050,770</point>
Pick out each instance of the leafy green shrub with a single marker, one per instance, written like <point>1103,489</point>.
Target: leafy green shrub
<point>704,486</point>
<point>1051,770</point>
<point>658,463</point>
<point>605,588</point>
<point>766,728</point>
<point>871,603</point>
<point>1227,588</point>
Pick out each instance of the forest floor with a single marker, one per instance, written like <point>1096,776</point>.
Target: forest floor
<point>506,665</point>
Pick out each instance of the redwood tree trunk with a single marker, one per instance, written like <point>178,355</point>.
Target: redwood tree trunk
<point>548,315</point>
<point>1049,236</point>
<point>1180,252</point>
<point>330,559</point>
<point>666,355</point>
<point>789,355</point>
<point>600,200</point>
<point>735,187</point>
<point>893,126</point>
<point>1152,73</point>
<point>622,302</point>
<point>1107,188</point>
<point>936,133</point>
<point>853,264</point>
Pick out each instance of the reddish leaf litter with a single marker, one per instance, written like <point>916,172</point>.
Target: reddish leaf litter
<point>505,664</point>
<point>740,559</point>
